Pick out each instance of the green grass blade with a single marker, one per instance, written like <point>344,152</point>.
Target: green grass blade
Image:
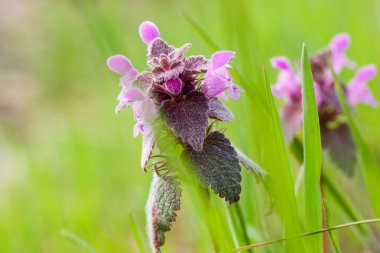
<point>313,233</point>
<point>198,28</point>
<point>332,234</point>
<point>136,232</point>
<point>78,241</point>
<point>367,160</point>
<point>312,155</point>
<point>280,181</point>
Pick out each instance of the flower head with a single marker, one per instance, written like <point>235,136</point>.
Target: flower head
<point>338,139</point>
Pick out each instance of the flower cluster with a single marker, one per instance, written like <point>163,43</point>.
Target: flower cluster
<point>335,134</point>
<point>184,93</point>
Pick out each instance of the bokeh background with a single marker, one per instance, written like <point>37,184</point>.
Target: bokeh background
<point>70,165</point>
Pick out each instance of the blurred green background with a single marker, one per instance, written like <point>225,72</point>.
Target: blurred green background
<point>69,163</point>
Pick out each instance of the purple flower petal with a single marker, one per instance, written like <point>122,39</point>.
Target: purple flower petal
<point>358,91</point>
<point>144,110</point>
<point>131,95</point>
<point>148,32</point>
<point>121,65</point>
<point>127,81</point>
<point>233,91</point>
<point>221,58</point>
<point>223,96</point>
<point>128,96</point>
<point>281,63</point>
<point>174,86</point>
<point>142,127</point>
<point>338,46</point>
<point>215,83</point>
<point>147,147</point>
<point>292,120</point>
<point>340,42</point>
<point>287,84</point>
<point>318,94</point>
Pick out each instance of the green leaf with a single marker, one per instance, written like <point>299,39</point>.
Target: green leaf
<point>312,155</point>
<point>78,241</point>
<point>164,200</point>
<point>281,182</point>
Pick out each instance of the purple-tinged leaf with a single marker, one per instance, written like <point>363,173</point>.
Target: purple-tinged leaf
<point>188,118</point>
<point>173,71</point>
<point>341,147</point>
<point>217,165</point>
<point>219,111</point>
<point>143,81</point>
<point>164,200</point>
<point>179,53</point>
<point>159,47</point>
<point>197,64</point>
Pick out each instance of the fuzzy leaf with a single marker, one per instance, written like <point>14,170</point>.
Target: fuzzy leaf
<point>170,73</point>
<point>164,200</point>
<point>217,165</point>
<point>197,64</point>
<point>159,47</point>
<point>219,111</point>
<point>188,118</point>
<point>341,147</point>
<point>180,52</point>
<point>251,165</point>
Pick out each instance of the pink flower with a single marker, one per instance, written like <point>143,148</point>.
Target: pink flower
<point>357,89</point>
<point>337,141</point>
<point>142,106</point>
<point>218,79</point>
<point>174,86</point>
<point>142,127</point>
<point>288,84</point>
<point>338,46</point>
<point>121,65</point>
<point>128,96</point>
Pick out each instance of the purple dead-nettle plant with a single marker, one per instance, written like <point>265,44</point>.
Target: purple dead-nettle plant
<point>179,97</point>
<point>335,134</point>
